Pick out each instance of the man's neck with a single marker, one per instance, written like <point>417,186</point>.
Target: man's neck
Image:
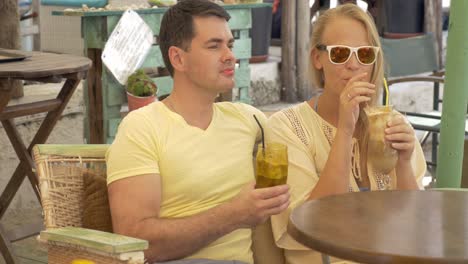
<point>195,106</point>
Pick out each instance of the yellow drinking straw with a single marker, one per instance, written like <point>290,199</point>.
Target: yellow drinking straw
<point>386,91</point>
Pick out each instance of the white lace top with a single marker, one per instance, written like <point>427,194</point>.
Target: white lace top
<point>309,139</point>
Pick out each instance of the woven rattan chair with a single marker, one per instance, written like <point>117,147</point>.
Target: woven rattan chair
<point>72,183</point>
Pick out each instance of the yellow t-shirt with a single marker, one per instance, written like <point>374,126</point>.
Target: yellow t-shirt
<point>199,169</point>
<point>308,138</point>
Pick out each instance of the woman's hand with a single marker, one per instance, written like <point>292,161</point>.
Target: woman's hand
<point>356,92</point>
<point>401,136</point>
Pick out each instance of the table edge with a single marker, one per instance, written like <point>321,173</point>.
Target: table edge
<point>357,254</point>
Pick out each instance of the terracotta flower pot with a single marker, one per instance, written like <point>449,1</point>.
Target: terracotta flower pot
<point>135,102</point>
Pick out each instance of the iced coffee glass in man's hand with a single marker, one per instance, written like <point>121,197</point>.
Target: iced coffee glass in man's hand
<point>272,165</point>
<point>380,154</point>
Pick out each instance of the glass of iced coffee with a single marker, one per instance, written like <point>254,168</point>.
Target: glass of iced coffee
<point>380,154</point>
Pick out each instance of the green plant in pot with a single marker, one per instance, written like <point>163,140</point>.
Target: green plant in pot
<point>141,90</point>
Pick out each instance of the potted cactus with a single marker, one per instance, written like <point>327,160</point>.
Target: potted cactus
<point>141,90</point>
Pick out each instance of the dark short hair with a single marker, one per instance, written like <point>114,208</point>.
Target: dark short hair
<point>177,25</point>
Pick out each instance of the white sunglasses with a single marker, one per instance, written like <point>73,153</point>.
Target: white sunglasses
<point>340,54</point>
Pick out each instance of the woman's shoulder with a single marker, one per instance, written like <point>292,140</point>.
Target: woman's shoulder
<point>292,116</point>
<point>294,122</point>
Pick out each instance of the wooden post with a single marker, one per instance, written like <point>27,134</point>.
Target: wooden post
<point>36,21</point>
<point>288,51</point>
<point>304,91</point>
<point>381,21</point>
<point>9,38</point>
<point>433,24</point>
<point>452,128</point>
<point>464,180</point>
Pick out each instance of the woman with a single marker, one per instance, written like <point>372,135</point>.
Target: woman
<point>326,136</point>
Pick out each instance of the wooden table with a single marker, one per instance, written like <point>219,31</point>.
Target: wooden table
<point>42,67</point>
<point>104,96</point>
<point>386,226</point>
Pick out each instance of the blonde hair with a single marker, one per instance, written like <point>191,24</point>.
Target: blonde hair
<point>354,12</point>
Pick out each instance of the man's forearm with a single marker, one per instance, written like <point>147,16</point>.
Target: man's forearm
<point>180,237</point>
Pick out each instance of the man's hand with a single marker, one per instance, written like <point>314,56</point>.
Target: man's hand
<point>254,206</point>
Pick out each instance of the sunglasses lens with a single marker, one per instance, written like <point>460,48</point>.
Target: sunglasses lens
<point>366,55</point>
<point>339,54</point>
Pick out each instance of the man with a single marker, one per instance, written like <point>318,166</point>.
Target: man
<point>180,171</point>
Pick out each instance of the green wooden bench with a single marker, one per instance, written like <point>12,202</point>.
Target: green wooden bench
<point>104,96</point>
<point>75,3</point>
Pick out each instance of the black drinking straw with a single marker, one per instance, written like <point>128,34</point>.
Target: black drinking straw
<point>263,134</point>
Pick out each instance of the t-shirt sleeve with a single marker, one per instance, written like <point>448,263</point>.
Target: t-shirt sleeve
<point>134,151</point>
<point>302,175</point>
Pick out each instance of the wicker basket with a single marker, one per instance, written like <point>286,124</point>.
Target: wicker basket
<point>74,191</point>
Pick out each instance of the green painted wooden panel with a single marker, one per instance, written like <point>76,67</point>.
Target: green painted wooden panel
<point>112,90</point>
<point>164,84</point>
<point>84,150</point>
<point>107,13</point>
<point>75,3</point>
<point>243,64</point>
<point>240,19</point>
<point>243,48</point>
<point>92,31</point>
<point>111,112</point>
<point>154,58</point>
<point>243,34</point>
<point>111,22</point>
<point>242,76</point>
<point>113,94</point>
<point>153,21</point>
<point>244,96</point>
<point>229,8</point>
<point>93,239</point>
<point>449,189</point>
<point>109,140</point>
<point>113,126</point>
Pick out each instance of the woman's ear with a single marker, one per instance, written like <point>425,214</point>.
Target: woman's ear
<point>176,57</point>
<point>315,57</point>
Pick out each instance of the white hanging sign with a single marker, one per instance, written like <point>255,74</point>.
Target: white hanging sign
<point>128,46</point>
